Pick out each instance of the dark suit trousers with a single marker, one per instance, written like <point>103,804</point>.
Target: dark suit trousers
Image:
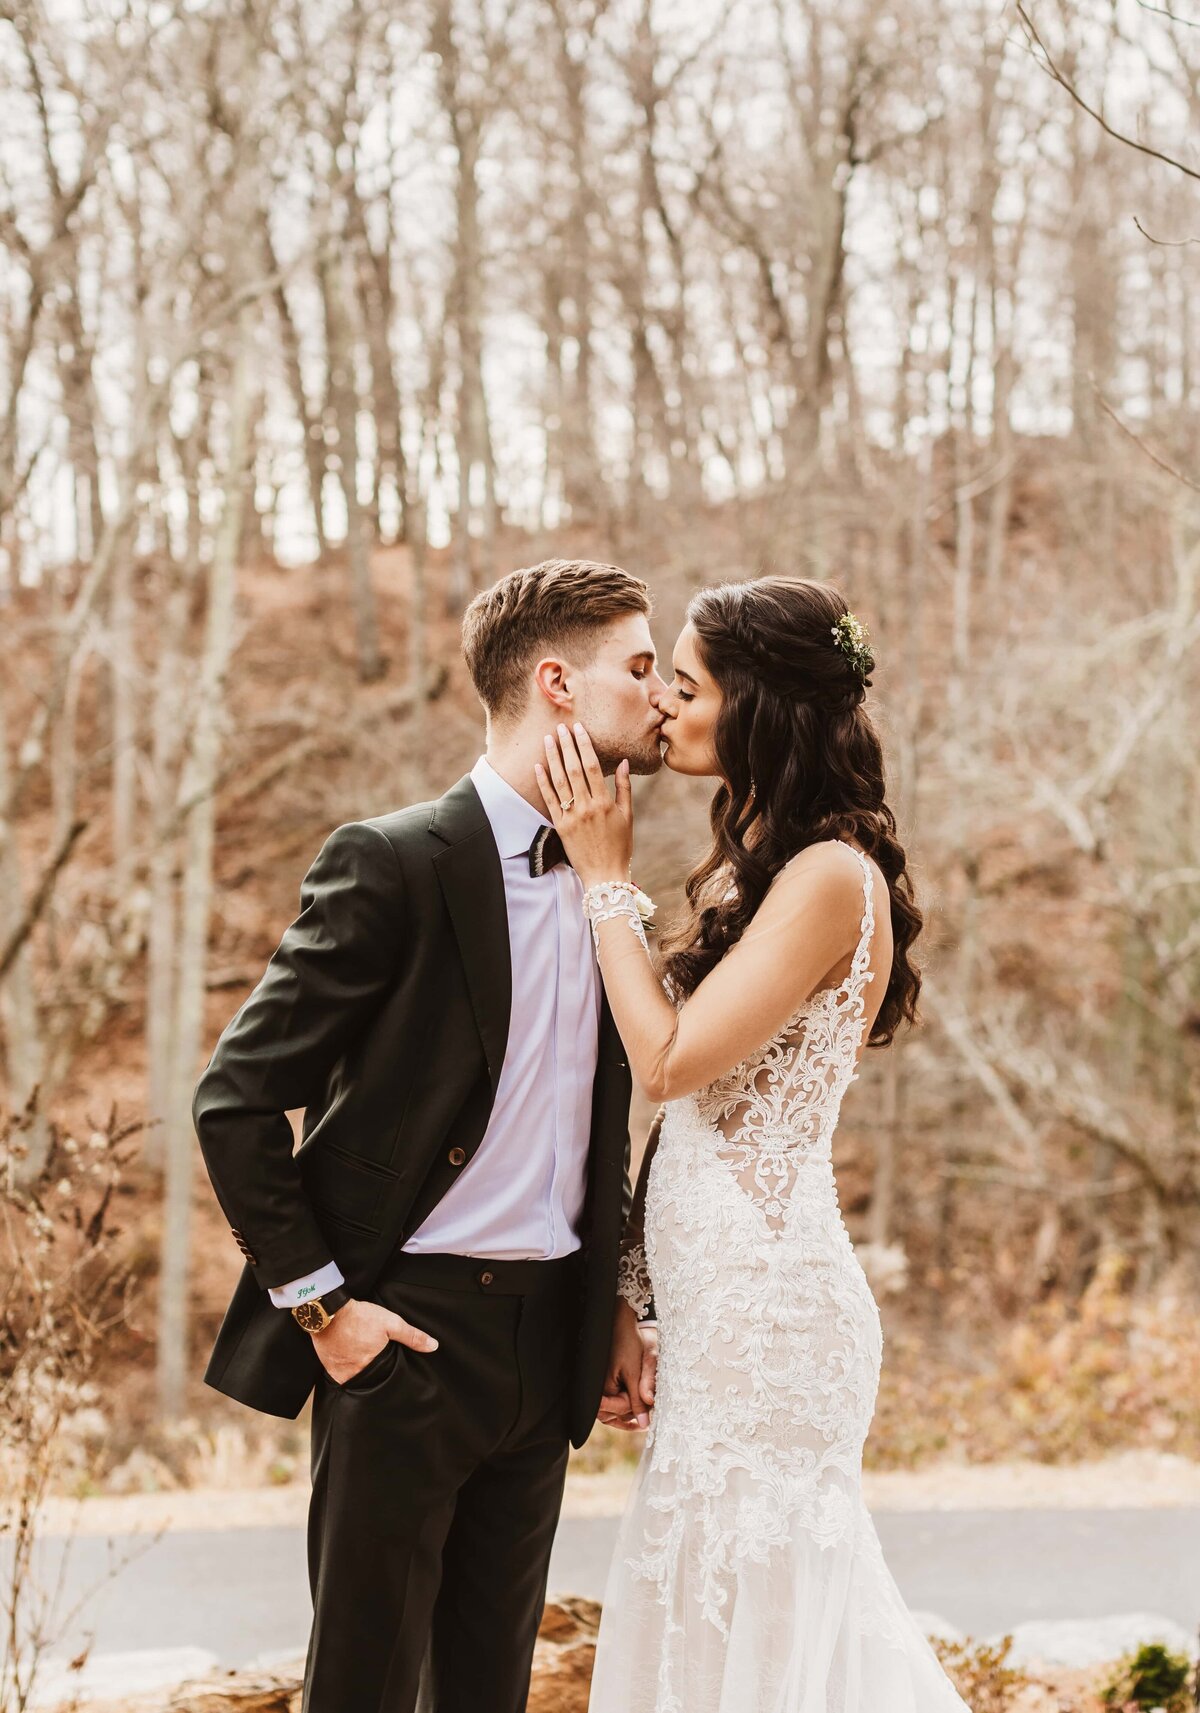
<point>437,1482</point>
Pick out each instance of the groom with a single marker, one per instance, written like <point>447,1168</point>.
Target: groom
<point>439,1258</point>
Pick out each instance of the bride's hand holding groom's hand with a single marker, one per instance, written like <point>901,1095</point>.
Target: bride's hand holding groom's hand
<point>596,827</point>
<point>632,1364</point>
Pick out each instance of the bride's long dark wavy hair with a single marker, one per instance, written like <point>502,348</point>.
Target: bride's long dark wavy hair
<point>800,761</point>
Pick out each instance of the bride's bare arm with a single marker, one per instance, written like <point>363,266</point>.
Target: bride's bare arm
<point>805,927</point>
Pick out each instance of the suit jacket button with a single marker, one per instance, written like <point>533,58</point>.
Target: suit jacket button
<point>486,1278</point>
<point>457,1156</point>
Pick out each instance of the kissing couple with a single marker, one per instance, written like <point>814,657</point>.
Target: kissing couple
<point>453,1264</point>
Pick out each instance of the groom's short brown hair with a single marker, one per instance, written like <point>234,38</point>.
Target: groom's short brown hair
<point>561,604</point>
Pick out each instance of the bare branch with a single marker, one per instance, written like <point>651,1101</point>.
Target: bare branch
<point>1162,12</point>
<point>36,906</point>
<point>1119,136</point>
<point>1164,243</point>
<point>1154,457</point>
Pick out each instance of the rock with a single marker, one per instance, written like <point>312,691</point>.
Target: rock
<point>1081,1642</point>
<point>563,1657</point>
<point>566,1651</point>
<point>240,1693</point>
<point>1059,1692</point>
<point>562,1675</point>
<point>569,1619</point>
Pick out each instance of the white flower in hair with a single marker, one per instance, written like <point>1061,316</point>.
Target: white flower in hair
<point>854,640</point>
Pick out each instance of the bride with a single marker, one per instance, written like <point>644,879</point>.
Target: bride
<point>748,1577</point>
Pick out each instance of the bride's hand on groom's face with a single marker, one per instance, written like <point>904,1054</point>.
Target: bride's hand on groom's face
<point>629,1384</point>
<point>595,824</point>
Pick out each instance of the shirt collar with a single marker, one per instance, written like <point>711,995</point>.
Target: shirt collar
<point>514,822</point>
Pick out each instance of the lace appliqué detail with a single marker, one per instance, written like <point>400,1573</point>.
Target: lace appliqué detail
<point>769,1338</point>
<point>633,1281</point>
<point>748,1573</point>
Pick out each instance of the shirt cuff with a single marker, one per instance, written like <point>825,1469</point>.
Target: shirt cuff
<point>326,1278</point>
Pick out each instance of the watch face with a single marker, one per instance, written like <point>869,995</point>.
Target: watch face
<point>311,1316</point>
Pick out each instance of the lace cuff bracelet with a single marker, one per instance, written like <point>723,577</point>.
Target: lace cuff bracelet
<point>612,898</point>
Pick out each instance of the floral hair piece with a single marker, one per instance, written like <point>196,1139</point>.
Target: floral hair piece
<point>854,640</point>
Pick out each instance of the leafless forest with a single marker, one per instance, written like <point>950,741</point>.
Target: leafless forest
<point>315,317</point>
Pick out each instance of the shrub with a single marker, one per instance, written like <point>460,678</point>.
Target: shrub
<point>64,1285</point>
<point>1075,1380</point>
<point>981,1674</point>
<point>1153,1677</point>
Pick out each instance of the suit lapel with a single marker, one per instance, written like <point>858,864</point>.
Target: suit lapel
<point>472,884</point>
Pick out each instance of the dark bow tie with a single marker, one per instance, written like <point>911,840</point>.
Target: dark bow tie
<point>546,852</point>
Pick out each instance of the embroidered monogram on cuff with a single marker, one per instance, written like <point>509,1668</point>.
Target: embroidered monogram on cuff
<point>297,1291</point>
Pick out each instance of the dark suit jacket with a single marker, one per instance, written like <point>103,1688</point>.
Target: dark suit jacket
<point>385,1014</point>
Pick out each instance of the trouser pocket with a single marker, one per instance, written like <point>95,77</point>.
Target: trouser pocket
<point>375,1371</point>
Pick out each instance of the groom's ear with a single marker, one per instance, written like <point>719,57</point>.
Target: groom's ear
<point>550,676</point>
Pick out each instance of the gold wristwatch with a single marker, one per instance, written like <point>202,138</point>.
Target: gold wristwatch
<point>316,1314</point>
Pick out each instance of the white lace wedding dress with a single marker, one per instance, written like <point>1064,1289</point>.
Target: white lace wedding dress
<point>748,1577</point>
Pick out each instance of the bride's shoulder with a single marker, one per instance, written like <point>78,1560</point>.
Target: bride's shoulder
<point>828,859</point>
<point>825,877</point>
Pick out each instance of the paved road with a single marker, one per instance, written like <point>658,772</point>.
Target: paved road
<point>241,1595</point>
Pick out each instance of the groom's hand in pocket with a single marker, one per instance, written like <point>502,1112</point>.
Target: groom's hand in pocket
<point>629,1383</point>
<point>358,1332</point>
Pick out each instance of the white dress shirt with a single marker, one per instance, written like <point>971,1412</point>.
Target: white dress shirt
<point>521,1195</point>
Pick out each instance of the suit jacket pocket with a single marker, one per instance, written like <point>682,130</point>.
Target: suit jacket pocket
<point>352,1192</point>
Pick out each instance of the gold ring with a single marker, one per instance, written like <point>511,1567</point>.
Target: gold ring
<point>565,806</point>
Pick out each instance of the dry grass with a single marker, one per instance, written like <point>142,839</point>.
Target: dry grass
<point>1074,1381</point>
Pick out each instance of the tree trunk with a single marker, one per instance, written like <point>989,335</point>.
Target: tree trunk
<point>163,925</point>
<point>418,641</point>
<point>883,1187</point>
<point>344,405</point>
<point>82,410</point>
<point>375,292</point>
<point>579,462</point>
<point>476,465</point>
<point>123,678</point>
<point>24,1046</point>
<point>197,794</point>
<point>310,422</point>
<point>999,504</point>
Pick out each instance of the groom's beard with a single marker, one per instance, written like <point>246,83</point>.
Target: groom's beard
<point>644,754</point>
